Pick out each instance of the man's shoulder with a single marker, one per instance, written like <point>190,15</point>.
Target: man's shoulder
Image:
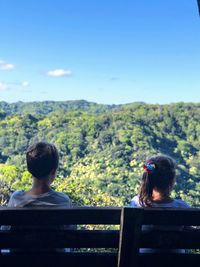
<point>15,198</point>
<point>17,193</point>
<point>62,197</point>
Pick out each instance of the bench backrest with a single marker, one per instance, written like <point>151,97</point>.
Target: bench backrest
<point>35,237</point>
<point>166,230</point>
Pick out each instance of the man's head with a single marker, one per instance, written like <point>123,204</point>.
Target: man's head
<point>42,159</point>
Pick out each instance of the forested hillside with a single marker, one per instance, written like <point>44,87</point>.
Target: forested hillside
<point>102,148</point>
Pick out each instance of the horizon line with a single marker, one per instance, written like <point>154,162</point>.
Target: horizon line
<point>92,102</point>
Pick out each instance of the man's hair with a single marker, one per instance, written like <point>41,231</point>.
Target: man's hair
<point>42,158</point>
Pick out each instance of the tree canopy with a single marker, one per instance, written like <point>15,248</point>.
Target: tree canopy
<point>102,148</point>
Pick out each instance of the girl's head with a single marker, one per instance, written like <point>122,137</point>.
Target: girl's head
<point>159,174</point>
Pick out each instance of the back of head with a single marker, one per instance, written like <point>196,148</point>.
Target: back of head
<point>159,173</point>
<point>42,158</point>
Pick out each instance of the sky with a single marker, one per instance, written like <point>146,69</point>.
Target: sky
<point>104,51</point>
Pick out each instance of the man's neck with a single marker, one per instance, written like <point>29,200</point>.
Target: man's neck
<point>40,186</point>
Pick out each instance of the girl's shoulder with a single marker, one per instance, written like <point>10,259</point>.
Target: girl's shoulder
<point>179,203</point>
<point>175,203</point>
<point>135,202</point>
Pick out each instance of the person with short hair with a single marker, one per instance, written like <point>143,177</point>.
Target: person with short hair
<point>42,162</point>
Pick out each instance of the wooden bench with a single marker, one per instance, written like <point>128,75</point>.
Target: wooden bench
<point>183,233</point>
<point>38,247</point>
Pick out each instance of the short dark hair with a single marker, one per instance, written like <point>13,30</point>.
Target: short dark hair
<point>42,158</point>
<point>162,178</point>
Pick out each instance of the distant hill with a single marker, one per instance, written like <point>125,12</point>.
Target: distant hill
<point>45,107</point>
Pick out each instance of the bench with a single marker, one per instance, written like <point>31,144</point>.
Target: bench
<point>33,243</point>
<point>31,246</point>
<point>183,233</point>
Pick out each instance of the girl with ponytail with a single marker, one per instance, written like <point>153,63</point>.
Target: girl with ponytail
<point>157,183</point>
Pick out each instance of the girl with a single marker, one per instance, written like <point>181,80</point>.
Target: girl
<point>157,183</point>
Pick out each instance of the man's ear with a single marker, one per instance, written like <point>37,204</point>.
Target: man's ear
<point>53,172</point>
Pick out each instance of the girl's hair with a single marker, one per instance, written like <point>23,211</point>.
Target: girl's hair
<point>159,173</point>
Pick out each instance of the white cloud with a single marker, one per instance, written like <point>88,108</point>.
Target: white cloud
<point>25,83</point>
<point>13,85</point>
<point>59,73</point>
<point>6,66</point>
<point>3,86</point>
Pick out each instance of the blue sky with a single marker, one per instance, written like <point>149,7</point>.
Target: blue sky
<point>106,51</point>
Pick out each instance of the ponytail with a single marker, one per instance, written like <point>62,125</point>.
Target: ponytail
<point>159,173</point>
<point>146,190</point>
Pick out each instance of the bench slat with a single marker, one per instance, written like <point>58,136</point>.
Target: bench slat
<point>171,216</point>
<point>59,239</point>
<point>44,216</point>
<point>59,259</point>
<point>189,239</point>
<point>172,260</point>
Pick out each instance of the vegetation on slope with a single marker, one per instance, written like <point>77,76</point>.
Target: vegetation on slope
<point>102,148</point>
